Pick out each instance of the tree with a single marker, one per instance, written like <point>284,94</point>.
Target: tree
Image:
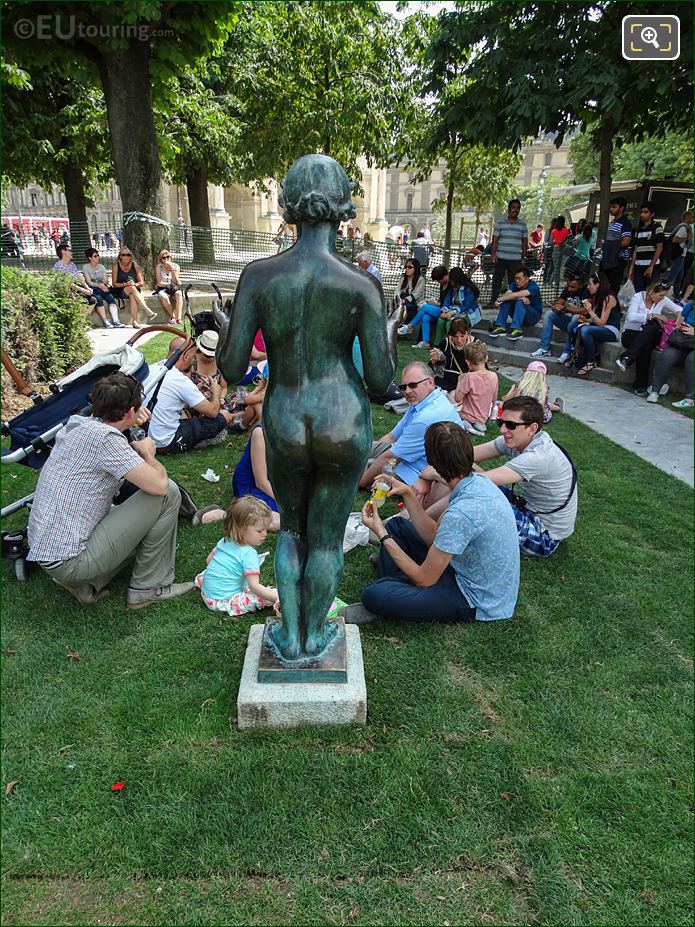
<point>480,177</point>
<point>199,141</point>
<point>315,77</point>
<point>671,157</point>
<point>132,45</point>
<point>514,83</point>
<point>58,138</point>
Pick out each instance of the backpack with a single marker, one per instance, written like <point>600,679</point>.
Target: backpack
<point>422,254</point>
<point>675,250</point>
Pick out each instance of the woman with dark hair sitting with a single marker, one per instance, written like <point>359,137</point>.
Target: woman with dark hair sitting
<point>464,567</point>
<point>447,360</point>
<point>430,311</point>
<point>411,290</point>
<point>463,302</point>
<point>599,322</point>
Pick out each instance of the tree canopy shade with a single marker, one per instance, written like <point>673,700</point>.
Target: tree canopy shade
<point>58,136</point>
<point>131,45</point>
<point>527,68</point>
<point>670,157</point>
<point>312,76</point>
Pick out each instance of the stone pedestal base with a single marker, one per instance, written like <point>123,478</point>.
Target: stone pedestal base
<point>283,704</point>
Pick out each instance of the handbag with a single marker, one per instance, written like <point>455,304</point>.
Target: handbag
<point>666,328</point>
<point>681,341</point>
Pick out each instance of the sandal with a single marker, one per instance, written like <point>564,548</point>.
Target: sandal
<point>586,369</point>
<point>197,519</point>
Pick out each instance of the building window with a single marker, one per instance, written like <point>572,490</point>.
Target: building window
<point>409,202</point>
<point>549,159</point>
<point>33,199</point>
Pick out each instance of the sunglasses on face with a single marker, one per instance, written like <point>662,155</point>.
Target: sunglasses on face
<point>166,257</point>
<point>409,267</point>
<point>510,425</point>
<point>404,386</point>
<point>125,254</point>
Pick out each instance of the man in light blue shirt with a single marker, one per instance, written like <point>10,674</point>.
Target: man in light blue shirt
<point>465,567</point>
<point>364,260</point>
<point>428,404</point>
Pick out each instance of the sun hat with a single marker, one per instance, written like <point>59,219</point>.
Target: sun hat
<point>537,365</point>
<point>207,343</point>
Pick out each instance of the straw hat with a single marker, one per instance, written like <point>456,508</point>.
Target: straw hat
<point>207,343</point>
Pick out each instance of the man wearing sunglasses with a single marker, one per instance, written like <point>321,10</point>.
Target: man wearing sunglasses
<point>546,509</point>
<point>76,535</point>
<point>406,442</point>
<point>463,566</point>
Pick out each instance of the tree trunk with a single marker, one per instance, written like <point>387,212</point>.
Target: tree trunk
<point>73,185</point>
<point>199,208</point>
<point>477,225</point>
<point>449,220</point>
<point>125,80</point>
<point>605,177</point>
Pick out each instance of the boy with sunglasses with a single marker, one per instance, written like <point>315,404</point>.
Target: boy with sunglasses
<point>546,508</point>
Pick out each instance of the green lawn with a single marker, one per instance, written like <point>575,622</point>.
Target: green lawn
<point>533,771</point>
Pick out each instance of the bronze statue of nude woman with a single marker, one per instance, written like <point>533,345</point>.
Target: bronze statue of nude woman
<point>310,305</point>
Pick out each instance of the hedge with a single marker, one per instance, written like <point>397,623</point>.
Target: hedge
<point>44,326</point>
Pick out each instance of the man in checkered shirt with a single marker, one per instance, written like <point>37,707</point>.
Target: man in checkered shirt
<point>76,535</point>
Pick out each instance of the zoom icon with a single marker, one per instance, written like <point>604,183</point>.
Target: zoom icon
<point>651,38</point>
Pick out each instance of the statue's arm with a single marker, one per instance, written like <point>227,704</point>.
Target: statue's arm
<point>237,340</point>
<point>376,356</point>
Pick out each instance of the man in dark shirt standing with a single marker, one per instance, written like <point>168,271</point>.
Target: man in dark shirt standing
<point>615,247</point>
<point>647,246</point>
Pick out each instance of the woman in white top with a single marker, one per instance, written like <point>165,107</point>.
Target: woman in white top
<point>643,329</point>
<point>97,278</point>
<point>168,286</point>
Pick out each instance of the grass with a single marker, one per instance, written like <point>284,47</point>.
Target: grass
<point>534,771</point>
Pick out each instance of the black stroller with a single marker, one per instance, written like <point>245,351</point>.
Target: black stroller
<point>33,431</point>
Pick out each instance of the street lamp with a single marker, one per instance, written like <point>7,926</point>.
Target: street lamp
<point>541,177</point>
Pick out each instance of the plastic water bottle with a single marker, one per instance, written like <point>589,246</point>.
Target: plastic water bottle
<point>240,398</point>
<point>137,433</point>
<point>382,487</point>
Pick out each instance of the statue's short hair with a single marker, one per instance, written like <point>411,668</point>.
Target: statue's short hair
<point>315,190</point>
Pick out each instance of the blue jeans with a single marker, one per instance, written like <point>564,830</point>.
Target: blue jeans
<point>393,595</point>
<point>102,297</point>
<point>552,320</point>
<point>424,317</point>
<point>587,338</point>
<point>521,313</point>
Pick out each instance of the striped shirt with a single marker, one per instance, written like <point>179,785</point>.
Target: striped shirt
<point>644,242</point>
<point>76,487</point>
<point>509,236</point>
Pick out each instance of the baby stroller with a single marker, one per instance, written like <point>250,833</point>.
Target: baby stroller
<point>32,432</point>
<point>205,320</point>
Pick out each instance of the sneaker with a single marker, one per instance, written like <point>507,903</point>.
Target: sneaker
<point>422,344</point>
<point>664,390</point>
<point>683,404</point>
<point>357,614</point>
<point>118,324</point>
<point>560,403</point>
<point>642,393</point>
<point>539,352</point>
<point>623,362</point>
<point>652,397</point>
<point>497,331</point>
<point>405,330</point>
<point>139,598</point>
<point>515,334</point>
<point>107,324</point>
<point>85,593</point>
<point>478,428</point>
<point>565,356</point>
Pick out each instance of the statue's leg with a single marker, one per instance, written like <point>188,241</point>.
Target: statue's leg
<point>329,506</point>
<point>291,487</point>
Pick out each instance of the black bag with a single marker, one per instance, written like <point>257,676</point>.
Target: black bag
<point>681,341</point>
<point>610,254</point>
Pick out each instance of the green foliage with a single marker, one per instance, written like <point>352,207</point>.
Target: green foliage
<point>44,327</point>
<point>482,177</point>
<point>314,77</point>
<point>542,208</point>
<point>671,157</point>
<point>54,123</point>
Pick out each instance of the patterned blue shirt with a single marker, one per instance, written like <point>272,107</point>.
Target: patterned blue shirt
<point>479,529</point>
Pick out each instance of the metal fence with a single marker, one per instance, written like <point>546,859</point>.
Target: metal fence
<point>219,256</point>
